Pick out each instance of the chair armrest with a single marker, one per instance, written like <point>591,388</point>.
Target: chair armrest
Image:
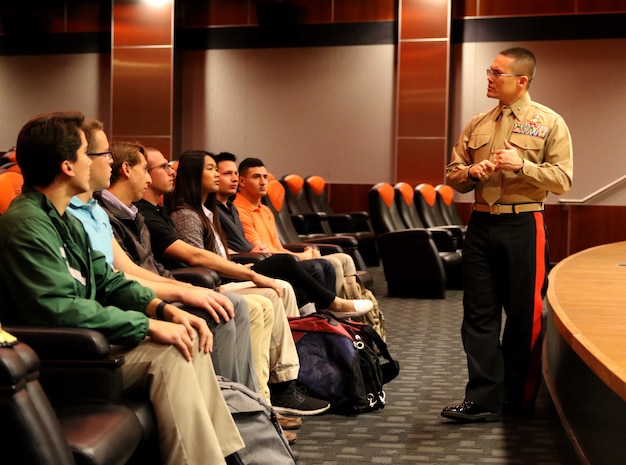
<point>77,365</point>
<point>445,240</point>
<point>345,242</point>
<point>325,249</point>
<point>63,343</point>
<point>248,257</point>
<point>362,221</point>
<point>405,236</point>
<point>203,277</point>
<point>341,223</point>
<point>360,215</point>
<point>457,231</point>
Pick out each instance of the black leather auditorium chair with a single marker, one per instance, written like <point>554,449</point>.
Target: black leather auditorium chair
<point>275,200</point>
<point>412,264</point>
<point>61,402</point>
<point>317,221</point>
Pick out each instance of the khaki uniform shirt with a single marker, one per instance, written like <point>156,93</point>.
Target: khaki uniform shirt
<point>542,139</point>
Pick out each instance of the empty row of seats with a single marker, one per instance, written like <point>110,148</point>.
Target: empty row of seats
<point>420,249</point>
<point>416,232</point>
<point>296,237</point>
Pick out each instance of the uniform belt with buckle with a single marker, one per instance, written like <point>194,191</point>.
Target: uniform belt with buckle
<point>498,209</point>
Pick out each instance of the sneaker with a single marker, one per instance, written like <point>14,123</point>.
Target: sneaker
<point>360,308</point>
<point>294,400</point>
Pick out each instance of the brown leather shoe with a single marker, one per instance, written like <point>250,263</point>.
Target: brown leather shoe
<point>290,436</point>
<point>288,422</point>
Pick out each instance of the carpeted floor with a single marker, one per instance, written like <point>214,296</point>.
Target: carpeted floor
<point>424,336</point>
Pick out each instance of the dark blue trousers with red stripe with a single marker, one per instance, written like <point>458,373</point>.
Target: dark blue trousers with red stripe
<point>505,259</point>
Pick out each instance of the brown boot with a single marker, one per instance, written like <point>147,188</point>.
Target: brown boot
<point>288,422</point>
<point>290,436</point>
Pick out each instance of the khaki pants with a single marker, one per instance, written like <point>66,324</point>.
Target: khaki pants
<point>343,265</point>
<point>261,324</point>
<point>194,424</point>
<point>284,363</point>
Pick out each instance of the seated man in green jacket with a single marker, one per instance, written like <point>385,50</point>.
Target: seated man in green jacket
<point>51,277</point>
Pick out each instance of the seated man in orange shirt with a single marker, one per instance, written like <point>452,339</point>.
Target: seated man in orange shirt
<point>259,225</point>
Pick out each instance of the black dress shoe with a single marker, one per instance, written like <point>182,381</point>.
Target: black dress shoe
<point>469,412</point>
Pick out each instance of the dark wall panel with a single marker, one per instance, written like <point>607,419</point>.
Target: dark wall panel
<point>595,225</point>
<point>420,160</point>
<point>348,197</point>
<point>527,7</point>
<point>364,10</point>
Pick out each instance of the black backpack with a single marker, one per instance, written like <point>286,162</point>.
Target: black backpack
<point>339,362</point>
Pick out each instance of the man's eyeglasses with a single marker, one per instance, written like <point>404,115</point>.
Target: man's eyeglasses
<point>497,74</point>
<point>108,155</point>
<point>164,166</point>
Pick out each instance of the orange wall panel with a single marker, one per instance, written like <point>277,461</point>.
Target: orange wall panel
<point>141,24</point>
<point>421,160</point>
<point>424,19</point>
<point>142,91</point>
<point>422,89</point>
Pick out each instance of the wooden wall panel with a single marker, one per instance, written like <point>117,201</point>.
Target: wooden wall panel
<point>141,91</point>
<point>364,10</point>
<point>420,160</point>
<point>88,16</point>
<point>463,8</point>
<point>422,89</point>
<point>315,11</point>
<point>215,13</point>
<point>142,62</point>
<point>601,6</point>
<point>142,24</point>
<point>229,12</point>
<point>348,197</point>
<point>595,225</point>
<point>469,8</point>
<point>423,20</point>
<point>556,218</point>
<point>528,7</point>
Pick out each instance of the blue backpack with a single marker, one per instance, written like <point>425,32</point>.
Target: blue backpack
<point>346,363</point>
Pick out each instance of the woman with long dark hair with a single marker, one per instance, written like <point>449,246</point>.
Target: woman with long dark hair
<point>193,209</point>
